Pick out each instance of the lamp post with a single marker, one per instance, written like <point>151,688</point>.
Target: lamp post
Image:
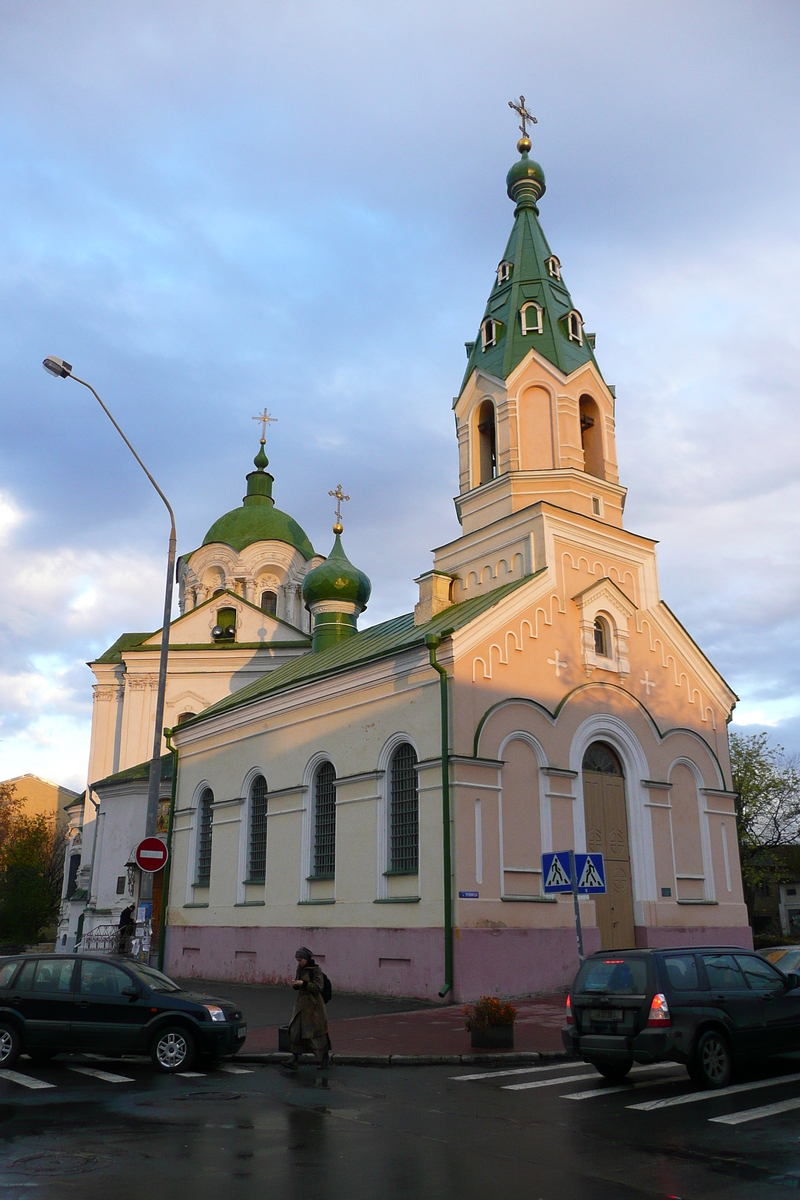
<point>63,370</point>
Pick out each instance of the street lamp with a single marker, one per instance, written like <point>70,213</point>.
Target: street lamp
<point>63,370</point>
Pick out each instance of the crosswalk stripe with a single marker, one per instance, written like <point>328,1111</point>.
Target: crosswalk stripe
<point>715,1093</point>
<point>236,1070</point>
<point>755,1114</point>
<point>25,1080</point>
<point>543,1083</point>
<point>106,1076</point>
<point>572,1066</point>
<point>193,1074</point>
<point>619,1087</point>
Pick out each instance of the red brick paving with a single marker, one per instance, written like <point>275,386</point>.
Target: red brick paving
<point>430,1031</point>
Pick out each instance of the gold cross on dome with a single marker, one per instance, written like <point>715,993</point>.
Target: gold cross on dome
<point>339,497</point>
<point>265,420</point>
<point>523,113</point>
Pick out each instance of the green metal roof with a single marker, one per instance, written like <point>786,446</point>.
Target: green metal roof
<point>380,641</point>
<point>258,520</point>
<point>126,641</point>
<point>530,279</point>
<point>337,579</point>
<point>140,772</point>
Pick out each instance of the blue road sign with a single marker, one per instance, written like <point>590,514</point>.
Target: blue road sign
<point>591,874</point>
<point>556,874</point>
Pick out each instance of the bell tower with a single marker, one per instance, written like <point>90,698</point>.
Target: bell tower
<point>534,417</point>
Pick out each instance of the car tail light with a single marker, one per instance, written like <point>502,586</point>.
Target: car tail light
<point>570,1018</point>
<point>659,1016</point>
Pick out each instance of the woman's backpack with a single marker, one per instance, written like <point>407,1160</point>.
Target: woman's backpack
<point>327,990</point>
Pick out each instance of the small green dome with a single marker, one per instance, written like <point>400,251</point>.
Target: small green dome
<point>337,579</point>
<point>258,520</point>
<point>525,181</point>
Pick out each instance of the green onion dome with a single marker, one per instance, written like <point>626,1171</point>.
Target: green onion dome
<point>336,579</point>
<point>258,520</point>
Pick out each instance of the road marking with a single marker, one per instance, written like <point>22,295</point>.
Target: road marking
<point>193,1075</point>
<point>106,1076</point>
<point>24,1080</point>
<point>713,1093</point>
<point>619,1087</point>
<point>236,1070</point>
<point>521,1071</point>
<point>755,1114</point>
<point>542,1083</point>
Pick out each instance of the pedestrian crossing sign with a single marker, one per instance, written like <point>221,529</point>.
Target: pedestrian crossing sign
<point>591,872</point>
<point>556,874</point>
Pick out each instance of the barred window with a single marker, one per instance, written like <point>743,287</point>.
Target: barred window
<point>403,811</point>
<point>325,822</point>
<point>258,829</point>
<point>205,819</point>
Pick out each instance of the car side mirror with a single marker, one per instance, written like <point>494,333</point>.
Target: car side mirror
<point>131,992</point>
<point>794,980</point>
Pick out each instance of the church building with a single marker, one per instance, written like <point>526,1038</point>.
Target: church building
<point>385,795</point>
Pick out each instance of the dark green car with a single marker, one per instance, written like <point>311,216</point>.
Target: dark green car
<point>76,1003</point>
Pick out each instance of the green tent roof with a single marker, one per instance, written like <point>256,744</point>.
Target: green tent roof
<point>530,279</point>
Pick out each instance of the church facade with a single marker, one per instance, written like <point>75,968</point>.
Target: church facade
<point>385,795</point>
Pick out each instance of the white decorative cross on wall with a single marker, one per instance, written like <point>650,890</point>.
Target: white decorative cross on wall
<point>647,682</point>
<point>558,662</point>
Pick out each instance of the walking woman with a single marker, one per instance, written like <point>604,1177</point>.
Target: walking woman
<point>308,1028</point>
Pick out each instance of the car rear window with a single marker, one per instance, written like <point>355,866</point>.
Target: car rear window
<point>613,976</point>
<point>681,972</point>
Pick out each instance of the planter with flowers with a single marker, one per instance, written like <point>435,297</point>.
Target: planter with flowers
<point>490,1023</point>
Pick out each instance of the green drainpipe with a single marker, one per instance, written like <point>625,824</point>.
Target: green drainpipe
<point>162,928</point>
<point>432,640</point>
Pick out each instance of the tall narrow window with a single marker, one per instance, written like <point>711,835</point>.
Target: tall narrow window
<point>205,818</point>
<point>592,438</point>
<point>325,822</point>
<point>258,830</point>
<point>72,876</point>
<point>403,812</point>
<point>487,442</point>
<point>269,603</point>
<point>575,326</point>
<point>490,331</point>
<point>602,637</point>
<point>553,267</point>
<point>504,271</point>
<point>530,316</point>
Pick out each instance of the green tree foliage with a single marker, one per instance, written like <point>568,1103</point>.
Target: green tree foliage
<point>31,870</point>
<point>768,809</point>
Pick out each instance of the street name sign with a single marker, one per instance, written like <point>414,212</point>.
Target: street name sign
<point>151,854</point>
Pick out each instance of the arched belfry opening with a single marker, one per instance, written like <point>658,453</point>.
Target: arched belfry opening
<point>487,443</point>
<point>607,834</point>
<point>592,438</point>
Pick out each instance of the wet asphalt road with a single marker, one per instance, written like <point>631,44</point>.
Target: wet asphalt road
<point>409,1132</point>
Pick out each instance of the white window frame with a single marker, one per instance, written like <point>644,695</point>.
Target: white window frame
<point>309,821</point>
<point>523,318</point>
<point>504,269</point>
<point>384,810</point>
<point>553,267</point>
<point>488,340</point>
<point>575,326</point>
<point>194,838</point>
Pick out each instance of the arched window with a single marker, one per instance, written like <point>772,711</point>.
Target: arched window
<point>553,267</point>
<point>592,438</point>
<point>269,602</point>
<point>530,317</point>
<point>602,759</point>
<point>325,822</point>
<point>72,875</point>
<point>225,628</point>
<point>487,443</point>
<point>403,812</point>
<point>602,637</point>
<point>184,716</point>
<point>575,326</point>
<point>503,271</point>
<point>258,830</point>
<point>205,826</point>
<point>490,331</point>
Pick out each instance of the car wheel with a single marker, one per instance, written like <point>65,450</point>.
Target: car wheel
<point>614,1072</point>
<point>173,1049</point>
<point>10,1045</point>
<point>712,1065</point>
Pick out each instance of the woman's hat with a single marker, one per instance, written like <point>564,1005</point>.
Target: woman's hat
<point>303,952</point>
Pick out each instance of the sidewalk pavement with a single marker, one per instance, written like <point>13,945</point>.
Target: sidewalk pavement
<point>431,1031</point>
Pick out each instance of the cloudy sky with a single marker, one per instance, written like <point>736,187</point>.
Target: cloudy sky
<point>207,208</point>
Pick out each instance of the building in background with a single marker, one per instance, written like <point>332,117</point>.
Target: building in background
<point>40,797</point>
<point>578,713</point>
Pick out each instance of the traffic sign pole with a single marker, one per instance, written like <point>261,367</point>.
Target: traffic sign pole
<point>578,930</point>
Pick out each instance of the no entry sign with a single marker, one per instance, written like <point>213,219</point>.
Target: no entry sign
<point>151,854</point>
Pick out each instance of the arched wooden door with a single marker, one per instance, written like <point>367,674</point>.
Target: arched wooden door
<point>607,832</point>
